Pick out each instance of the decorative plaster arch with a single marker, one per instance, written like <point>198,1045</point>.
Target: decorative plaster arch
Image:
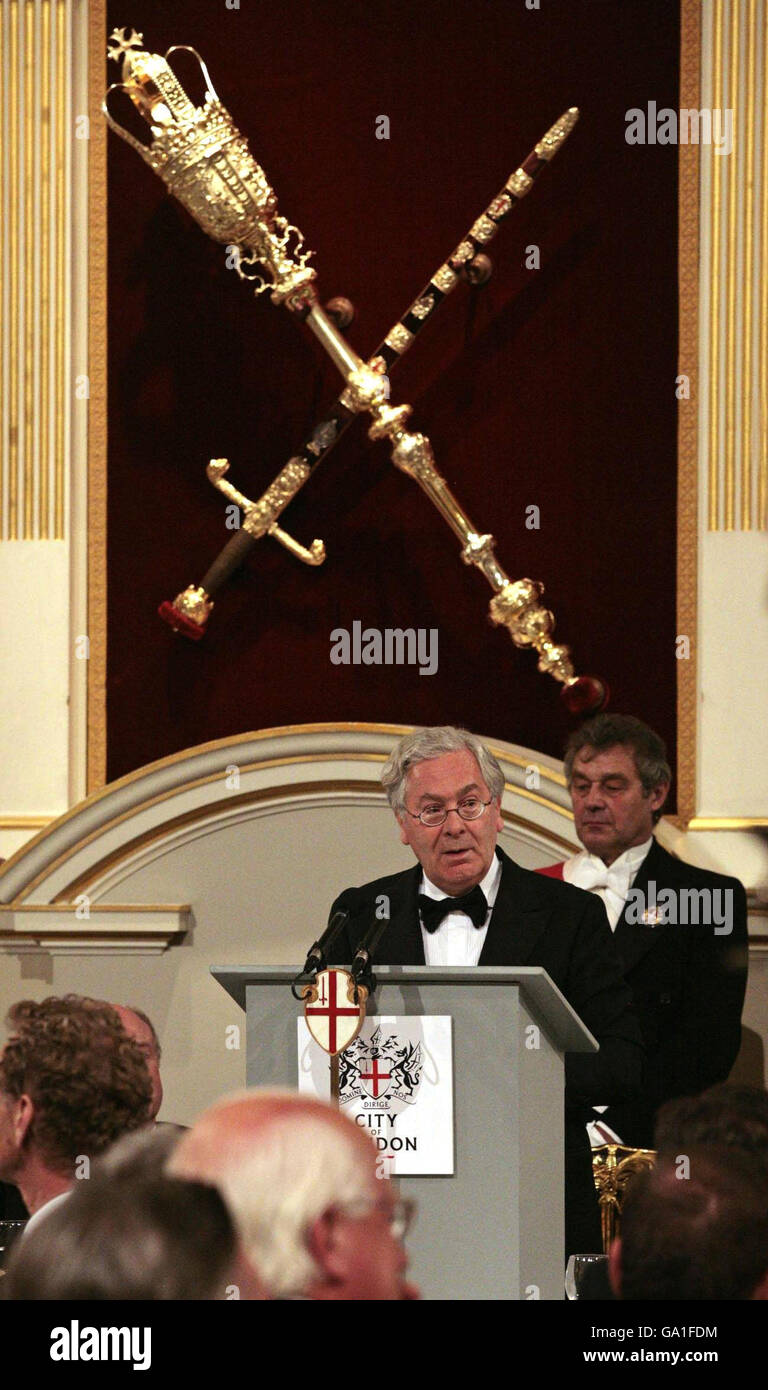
<point>55,888</point>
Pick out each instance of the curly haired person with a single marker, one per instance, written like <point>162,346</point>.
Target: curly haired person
<point>71,1083</point>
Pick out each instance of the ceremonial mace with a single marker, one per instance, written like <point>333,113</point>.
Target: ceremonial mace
<point>205,161</point>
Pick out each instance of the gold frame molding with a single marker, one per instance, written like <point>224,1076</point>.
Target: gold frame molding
<point>687,418</point>
<point>96,741</point>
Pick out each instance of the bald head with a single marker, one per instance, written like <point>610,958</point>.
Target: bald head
<point>223,1135</point>
<point>301,1182</point>
<point>138,1026</point>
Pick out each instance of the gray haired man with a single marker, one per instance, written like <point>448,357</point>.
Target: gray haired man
<point>467,903</point>
<point>301,1183</point>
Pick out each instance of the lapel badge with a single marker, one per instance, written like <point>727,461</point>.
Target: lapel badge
<point>653,917</point>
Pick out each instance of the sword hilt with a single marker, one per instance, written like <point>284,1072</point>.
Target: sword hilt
<point>260,518</point>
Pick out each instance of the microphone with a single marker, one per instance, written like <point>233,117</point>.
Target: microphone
<point>360,969</point>
<point>317,956</point>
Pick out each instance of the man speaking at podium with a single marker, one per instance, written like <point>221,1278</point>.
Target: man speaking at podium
<point>467,903</point>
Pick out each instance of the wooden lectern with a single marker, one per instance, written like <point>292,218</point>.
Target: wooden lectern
<point>494,1229</point>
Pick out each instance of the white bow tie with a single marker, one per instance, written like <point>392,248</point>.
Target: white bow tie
<point>611,884</point>
<point>593,874</point>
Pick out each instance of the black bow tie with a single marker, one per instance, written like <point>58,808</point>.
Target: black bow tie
<point>433,910</point>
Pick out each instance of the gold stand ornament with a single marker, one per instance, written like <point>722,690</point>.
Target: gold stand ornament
<point>613,1166</point>
<point>206,164</point>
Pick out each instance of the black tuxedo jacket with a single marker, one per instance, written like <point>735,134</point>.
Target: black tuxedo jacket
<point>536,921</point>
<point>688,986</point>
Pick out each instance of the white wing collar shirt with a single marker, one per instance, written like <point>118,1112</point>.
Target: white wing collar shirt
<point>457,940</point>
<point>613,883</point>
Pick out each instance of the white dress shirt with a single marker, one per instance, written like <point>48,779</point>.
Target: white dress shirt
<point>457,940</point>
<point>611,883</point>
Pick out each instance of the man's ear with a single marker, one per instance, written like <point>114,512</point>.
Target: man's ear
<point>614,1268</point>
<point>401,824</point>
<point>658,796</point>
<point>499,821</point>
<point>23,1115</point>
<point>326,1249</point>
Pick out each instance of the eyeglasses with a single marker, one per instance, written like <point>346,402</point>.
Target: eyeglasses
<point>471,808</point>
<point>400,1214</point>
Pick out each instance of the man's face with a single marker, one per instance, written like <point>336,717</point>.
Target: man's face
<point>15,1117</point>
<point>610,808</point>
<point>9,1149</point>
<point>141,1033</point>
<point>457,854</point>
<point>368,1260</point>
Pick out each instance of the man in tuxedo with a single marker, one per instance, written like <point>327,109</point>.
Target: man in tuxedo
<point>681,931</point>
<point>467,903</point>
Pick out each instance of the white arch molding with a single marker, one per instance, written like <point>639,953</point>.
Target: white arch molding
<point>122,870</point>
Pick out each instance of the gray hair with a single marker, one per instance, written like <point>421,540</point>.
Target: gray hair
<point>606,731</point>
<point>424,744</point>
<point>300,1161</point>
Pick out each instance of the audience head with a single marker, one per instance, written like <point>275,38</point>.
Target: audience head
<point>436,771</point>
<point>617,773</point>
<point>139,1027</point>
<point>694,1227</point>
<point>732,1117</point>
<point>71,1082</point>
<point>301,1182</point>
<point>130,1232</point>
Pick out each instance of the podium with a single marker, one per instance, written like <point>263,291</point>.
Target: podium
<point>493,1229</point>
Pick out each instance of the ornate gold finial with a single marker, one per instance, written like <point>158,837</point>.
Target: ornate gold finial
<point>120,40</point>
<point>189,612</point>
<point>206,163</point>
<point>557,134</point>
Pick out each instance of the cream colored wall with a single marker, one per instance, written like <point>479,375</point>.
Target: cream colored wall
<point>260,893</point>
<point>43,434</point>
<point>259,877</point>
<point>731,647</point>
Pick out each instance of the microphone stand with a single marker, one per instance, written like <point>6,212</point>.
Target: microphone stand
<point>317,958</point>
<point>361,967</point>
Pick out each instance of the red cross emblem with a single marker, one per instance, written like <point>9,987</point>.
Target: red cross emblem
<point>333,1019</point>
<point>373,1079</point>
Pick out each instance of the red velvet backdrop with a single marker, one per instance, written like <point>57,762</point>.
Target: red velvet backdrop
<point>552,387</point>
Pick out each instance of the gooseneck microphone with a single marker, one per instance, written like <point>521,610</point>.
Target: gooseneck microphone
<point>317,957</point>
<point>360,969</point>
